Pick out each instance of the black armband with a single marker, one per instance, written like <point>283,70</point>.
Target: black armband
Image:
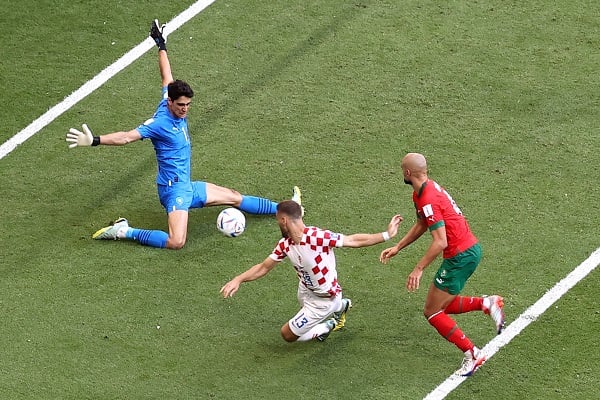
<point>96,141</point>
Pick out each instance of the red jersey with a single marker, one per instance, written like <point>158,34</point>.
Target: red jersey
<point>437,208</point>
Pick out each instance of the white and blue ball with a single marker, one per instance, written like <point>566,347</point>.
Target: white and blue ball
<point>231,222</point>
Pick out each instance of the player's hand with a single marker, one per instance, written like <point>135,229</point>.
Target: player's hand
<point>157,33</point>
<point>392,229</point>
<point>77,138</point>
<point>413,280</point>
<point>230,288</point>
<point>387,254</point>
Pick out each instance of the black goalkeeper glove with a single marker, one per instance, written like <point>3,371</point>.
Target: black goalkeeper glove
<point>156,33</point>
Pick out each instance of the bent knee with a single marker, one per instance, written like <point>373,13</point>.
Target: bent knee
<point>289,339</point>
<point>429,312</point>
<point>175,244</point>
<point>287,334</point>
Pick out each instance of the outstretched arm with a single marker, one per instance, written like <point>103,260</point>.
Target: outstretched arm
<point>165,68</point>
<point>160,38</point>
<point>119,138</point>
<point>77,138</point>
<point>369,239</point>
<point>255,272</point>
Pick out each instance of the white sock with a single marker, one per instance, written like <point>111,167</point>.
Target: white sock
<point>317,330</point>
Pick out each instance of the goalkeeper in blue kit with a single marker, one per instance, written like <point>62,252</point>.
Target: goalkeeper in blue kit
<point>169,134</point>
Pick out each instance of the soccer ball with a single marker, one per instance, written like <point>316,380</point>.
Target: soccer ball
<point>231,222</point>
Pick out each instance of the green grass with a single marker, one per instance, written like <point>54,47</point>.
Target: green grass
<point>501,98</point>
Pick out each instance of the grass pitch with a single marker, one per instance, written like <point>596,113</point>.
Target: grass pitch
<point>501,98</point>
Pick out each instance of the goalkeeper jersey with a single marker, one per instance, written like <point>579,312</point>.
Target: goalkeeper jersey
<point>171,140</point>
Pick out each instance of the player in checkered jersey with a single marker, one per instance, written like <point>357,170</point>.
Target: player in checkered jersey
<point>310,251</point>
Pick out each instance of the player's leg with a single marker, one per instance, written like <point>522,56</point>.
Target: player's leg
<point>313,321</point>
<point>459,269</point>
<point>448,282</point>
<point>490,305</point>
<point>464,304</point>
<point>174,240</point>
<point>305,329</point>
<point>340,315</point>
<point>438,299</point>
<point>435,303</point>
<point>318,332</point>
<point>176,201</point>
<point>120,229</point>
<point>178,223</point>
<point>222,196</point>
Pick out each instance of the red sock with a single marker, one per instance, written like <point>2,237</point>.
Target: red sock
<point>464,304</point>
<point>448,328</point>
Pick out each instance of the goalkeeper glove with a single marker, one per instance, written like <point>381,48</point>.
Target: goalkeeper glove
<point>156,33</point>
<point>77,138</point>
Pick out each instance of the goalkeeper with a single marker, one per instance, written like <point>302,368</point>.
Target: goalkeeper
<point>168,132</point>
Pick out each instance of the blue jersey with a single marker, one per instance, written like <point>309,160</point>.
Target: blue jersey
<point>170,137</point>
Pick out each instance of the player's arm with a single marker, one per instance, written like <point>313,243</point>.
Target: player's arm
<point>165,68</point>
<point>415,232</point>
<point>85,137</point>
<point>160,38</point>
<point>369,239</point>
<point>255,272</point>
<point>438,244</point>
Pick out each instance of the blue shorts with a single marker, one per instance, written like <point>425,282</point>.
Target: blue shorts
<point>182,196</point>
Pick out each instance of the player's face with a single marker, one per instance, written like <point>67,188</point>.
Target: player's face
<point>180,107</point>
<point>282,222</point>
<point>406,176</point>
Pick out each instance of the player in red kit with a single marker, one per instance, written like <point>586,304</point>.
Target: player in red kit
<point>452,237</point>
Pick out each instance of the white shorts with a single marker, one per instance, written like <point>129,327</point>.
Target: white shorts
<point>314,310</point>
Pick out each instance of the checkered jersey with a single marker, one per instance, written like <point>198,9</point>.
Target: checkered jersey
<point>313,259</point>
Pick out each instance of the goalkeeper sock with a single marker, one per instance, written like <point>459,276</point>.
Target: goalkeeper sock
<point>257,205</point>
<point>153,238</point>
<point>464,304</point>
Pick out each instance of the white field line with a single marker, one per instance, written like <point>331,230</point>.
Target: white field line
<point>97,81</point>
<point>528,316</point>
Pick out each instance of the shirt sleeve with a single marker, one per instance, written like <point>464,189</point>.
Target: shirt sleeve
<point>280,251</point>
<point>323,239</point>
<point>151,127</point>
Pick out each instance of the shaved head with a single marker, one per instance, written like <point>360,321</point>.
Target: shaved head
<point>415,162</point>
<point>414,166</point>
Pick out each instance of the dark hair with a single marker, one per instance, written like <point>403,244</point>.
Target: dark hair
<point>179,88</point>
<point>290,208</point>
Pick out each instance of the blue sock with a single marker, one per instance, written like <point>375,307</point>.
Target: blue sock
<point>258,205</point>
<point>147,237</point>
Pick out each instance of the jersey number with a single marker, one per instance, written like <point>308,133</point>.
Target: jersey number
<point>301,321</point>
<point>454,205</point>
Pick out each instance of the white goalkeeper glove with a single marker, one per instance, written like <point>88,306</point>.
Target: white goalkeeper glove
<point>76,138</point>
